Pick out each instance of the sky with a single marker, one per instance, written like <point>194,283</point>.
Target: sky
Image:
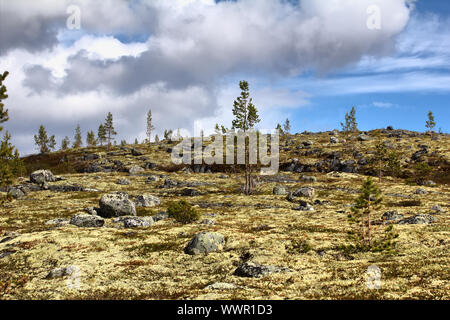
<point>306,60</point>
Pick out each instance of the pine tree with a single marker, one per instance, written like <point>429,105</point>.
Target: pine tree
<point>350,122</point>
<point>3,113</point>
<point>430,124</point>
<point>101,134</point>
<point>246,116</point>
<point>90,139</point>
<point>217,129</point>
<point>136,141</point>
<point>150,126</point>
<point>6,155</point>
<point>156,139</point>
<point>10,163</point>
<point>65,143</point>
<point>279,129</point>
<point>287,126</point>
<point>109,128</point>
<point>78,139</point>
<point>43,142</point>
<point>393,164</point>
<point>168,134</point>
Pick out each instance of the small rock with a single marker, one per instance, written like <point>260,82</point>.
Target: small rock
<point>123,182</point>
<point>304,192</point>
<point>363,137</point>
<point>205,242</point>
<point>334,140</point>
<point>147,200</point>
<point>437,209</point>
<point>419,219</point>
<point>221,286</point>
<point>136,152</point>
<point>16,193</point>
<point>279,190</point>
<point>308,178</point>
<point>61,272</point>
<point>304,206</point>
<point>208,222</point>
<point>421,191</point>
<point>160,216</point>
<point>91,210</point>
<point>59,222</point>
<point>87,221</point>
<point>135,170</point>
<point>135,222</point>
<point>254,270</point>
<point>188,192</point>
<point>391,216</point>
<point>152,178</point>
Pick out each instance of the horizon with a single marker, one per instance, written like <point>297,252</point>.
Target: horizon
<point>304,60</point>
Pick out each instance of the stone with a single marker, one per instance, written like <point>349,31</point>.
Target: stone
<point>62,272</point>
<point>304,192</point>
<point>363,137</point>
<point>419,219</point>
<point>147,200</point>
<point>123,182</point>
<point>136,152</point>
<point>135,170</point>
<point>208,222</point>
<point>306,178</point>
<point>205,242</point>
<point>136,222</point>
<point>437,209</point>
<point>160,216</point>
<point>304,206</point>
<point>41,176</point>
<point>91,210</point>
<point>279,190</point>
<point>116,205</point>
<point>221,286</point>
<point>420,191</point>
<point>254,270</point>
<point>334,140</point>
<point>16,193</point>
<point>87,221</point>
<point>58,222</point>
<point>189,192</point>
<point>152,178</point>
<point>391,216</point>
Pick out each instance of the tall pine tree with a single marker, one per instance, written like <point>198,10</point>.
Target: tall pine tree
<point>109,128</point>
<point>246,116</point>
<point>78,139</point>
<point>43,142</point>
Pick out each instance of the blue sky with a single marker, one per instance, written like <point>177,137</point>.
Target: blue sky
<point>307,60</point>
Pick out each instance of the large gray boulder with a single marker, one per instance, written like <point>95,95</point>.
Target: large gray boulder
<point>254,270</point>
<point>87,221</point>
<point>147,200</point>
<point>42,176</point>
<point>116,205</point>
<point>16,193</point>
<point>205,242</point>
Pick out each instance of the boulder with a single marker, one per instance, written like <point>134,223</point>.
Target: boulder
<point>420,191</point>
<point>137,222</point>
<point>116,205</point>
<point>147,200</point>
<point>41,176</point>
<point>160,216</point>
<point>123,182</point>
<point>62,272</point>
<point>136,152</point>
<point>16,193</point>
<point>58,222</point>
<point>418,219</point>
<point>205,242</point>
<point>279,190</point>
<point>189,192</point>
<point>87,221</point>
<point>307,192</point>
<point>391,216</point>
<point>306,178</point>
<point>135,170</point>
<point>254,270</point>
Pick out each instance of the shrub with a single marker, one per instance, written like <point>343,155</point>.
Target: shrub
<point>182,212</point>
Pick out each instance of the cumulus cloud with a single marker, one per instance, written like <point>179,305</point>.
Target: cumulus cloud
<point>191,49</point>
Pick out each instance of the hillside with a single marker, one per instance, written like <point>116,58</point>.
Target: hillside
<point>297,252</point>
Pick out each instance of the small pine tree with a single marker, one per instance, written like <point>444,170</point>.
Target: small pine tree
<point>287,126</point>
<point>246,116</point>
<point>217,129</point>
<point>368,201</point>
<point>167,134</point>
<point>42,141</point>
<point>101,134</point>
<point>150,126</point>
<point>123,143</point>
<point>65,143</point>
<point>78,140</point>
<point>430,124</point>
<point>393,164</point>
<point>90,139</point>
<point>109,128</point>
<point>136,141</point>
<point>350,124</point>
<point>279,129</point>
<point>156,139</point>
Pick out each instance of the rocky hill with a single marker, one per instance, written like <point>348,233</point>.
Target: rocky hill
<point>93,224</point>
